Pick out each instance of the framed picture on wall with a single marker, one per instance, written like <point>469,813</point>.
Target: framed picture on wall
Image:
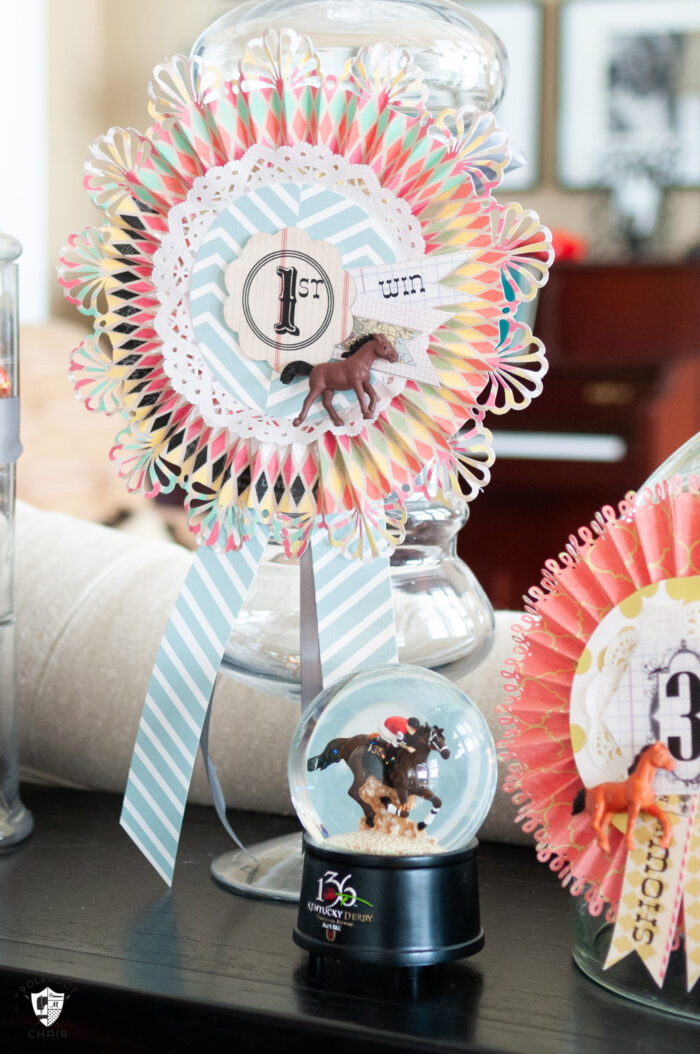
<point>519,25</point>
<point>629,92</point>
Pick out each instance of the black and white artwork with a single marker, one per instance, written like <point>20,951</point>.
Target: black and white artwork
<point>518,23</point>
<point>629,101</point>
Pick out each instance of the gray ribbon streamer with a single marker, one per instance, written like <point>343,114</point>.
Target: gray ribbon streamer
<point>214,784</point>
<point>311,676</point>
<point>10,446</point>
<point>311,684</point>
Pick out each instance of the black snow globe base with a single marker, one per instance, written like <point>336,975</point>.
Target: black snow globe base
<point>389,910</point>
<point>392,772</point>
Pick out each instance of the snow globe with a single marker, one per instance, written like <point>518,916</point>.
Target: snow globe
<point>392,772</point>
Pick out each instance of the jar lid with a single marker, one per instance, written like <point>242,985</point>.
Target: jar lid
<point>463,61</point>
<point>10,248</point>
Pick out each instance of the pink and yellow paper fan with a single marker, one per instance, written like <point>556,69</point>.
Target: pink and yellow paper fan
<point>394,187</point>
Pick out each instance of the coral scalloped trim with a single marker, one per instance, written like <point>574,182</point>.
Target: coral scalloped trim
<point>652,536</point>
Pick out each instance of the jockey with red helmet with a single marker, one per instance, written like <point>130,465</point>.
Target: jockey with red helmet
<point>399,729</point>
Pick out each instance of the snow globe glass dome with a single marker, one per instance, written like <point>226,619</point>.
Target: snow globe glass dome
<point>395,760</point>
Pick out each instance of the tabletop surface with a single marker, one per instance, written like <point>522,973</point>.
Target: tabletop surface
<point>195,968</point>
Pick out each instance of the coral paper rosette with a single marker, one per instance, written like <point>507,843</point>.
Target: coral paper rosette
<point>271,237</point>
<point>605,686</point>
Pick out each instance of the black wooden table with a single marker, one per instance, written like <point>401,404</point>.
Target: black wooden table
<point>198,969</point>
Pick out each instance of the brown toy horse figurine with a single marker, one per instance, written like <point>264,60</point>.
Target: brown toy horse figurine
<point>402,770</point>
<point>633,795</point>
<point>352,371</point>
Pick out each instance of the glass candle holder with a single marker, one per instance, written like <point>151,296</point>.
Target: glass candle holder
<point>15,821</point>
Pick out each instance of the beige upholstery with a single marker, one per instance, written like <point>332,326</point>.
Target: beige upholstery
<point>92,604</point>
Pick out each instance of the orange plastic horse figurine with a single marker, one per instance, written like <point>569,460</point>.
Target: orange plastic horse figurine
<point>350,372</point>
<point>633,795</point>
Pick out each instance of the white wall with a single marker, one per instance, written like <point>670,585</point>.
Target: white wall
<point>23,146</point>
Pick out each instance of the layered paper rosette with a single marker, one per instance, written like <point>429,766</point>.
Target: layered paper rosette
<point>607,660</point>
<point>359,164</point>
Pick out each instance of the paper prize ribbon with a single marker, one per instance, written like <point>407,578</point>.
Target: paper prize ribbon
<point>275,218</point>
<point>607,663</point>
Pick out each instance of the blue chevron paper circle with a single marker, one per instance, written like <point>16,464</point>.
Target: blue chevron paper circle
<point>325,215</point>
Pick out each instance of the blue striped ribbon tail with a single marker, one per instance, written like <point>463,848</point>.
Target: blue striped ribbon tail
<point>179,695</point>
<point>354,608</point>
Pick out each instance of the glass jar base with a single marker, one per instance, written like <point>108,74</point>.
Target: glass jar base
<point>270,871</point>
<point>629,977</point>
<point>15,827</point>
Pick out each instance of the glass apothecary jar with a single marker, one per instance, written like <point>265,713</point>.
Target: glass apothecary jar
<point>591,936</point>
<point>15,821</point>
<point>443,618</point>
<point>442,615</point>
<point>682,463</point>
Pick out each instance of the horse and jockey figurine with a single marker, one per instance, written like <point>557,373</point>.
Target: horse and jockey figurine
<point>350,372</point>
<point>395,762</point>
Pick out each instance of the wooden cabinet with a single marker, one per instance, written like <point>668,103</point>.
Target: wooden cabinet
<point>623,343</point>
